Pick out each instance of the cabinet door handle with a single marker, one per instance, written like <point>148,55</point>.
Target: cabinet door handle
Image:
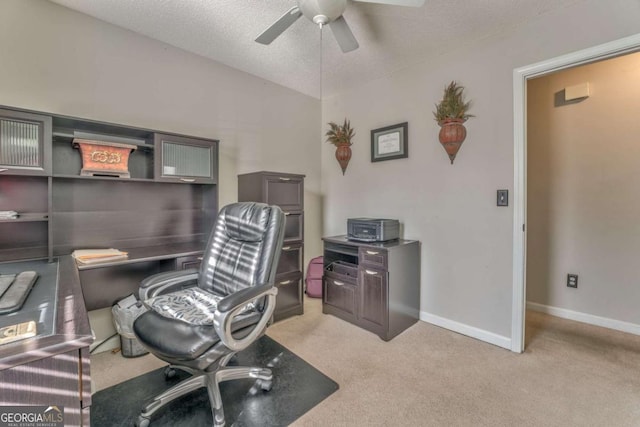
<point>199,258</point>
<point>187,179</point>
<point>286,248</point>
<point>371,272</point>
<point>372,253</point>
<point>284,179</point>
<point>287,213</point>
<point>286,282</point>
<point>335,282</point>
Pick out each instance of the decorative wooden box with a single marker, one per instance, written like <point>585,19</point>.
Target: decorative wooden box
<point>104,158</point>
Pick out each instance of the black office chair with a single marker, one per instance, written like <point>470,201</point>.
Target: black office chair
<point>198,319</point>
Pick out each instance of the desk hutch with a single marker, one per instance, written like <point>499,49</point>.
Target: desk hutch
<point>161,216</point>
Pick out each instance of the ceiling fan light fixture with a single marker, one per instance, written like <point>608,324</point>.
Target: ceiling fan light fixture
<point>320,20</point>
<point>323,12</point>
<point>328,10</point>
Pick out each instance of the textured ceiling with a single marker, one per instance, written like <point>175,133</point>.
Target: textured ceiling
<point>390,37</point>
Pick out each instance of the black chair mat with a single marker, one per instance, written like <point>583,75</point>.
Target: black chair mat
<point>297,387</point>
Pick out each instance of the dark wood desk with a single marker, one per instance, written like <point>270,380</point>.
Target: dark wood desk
<point>52,368</point>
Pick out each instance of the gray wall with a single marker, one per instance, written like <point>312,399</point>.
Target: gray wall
<point>60,61</point>
<point>583,195</point>
<point>466,240</point>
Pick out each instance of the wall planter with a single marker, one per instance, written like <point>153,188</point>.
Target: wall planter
<point>451,113</point>
<point>452,135</point>
<point>340,136</point>
<point>343,155</point>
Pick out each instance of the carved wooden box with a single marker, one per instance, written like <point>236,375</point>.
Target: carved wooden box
<point>104,158</point>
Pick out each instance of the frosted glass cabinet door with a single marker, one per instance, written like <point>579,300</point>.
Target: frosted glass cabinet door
<point>188,160</point>
<point>25,143</point>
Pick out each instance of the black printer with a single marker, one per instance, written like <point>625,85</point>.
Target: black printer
<point>372,229</point>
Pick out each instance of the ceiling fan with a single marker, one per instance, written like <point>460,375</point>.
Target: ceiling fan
<point>322,12</point>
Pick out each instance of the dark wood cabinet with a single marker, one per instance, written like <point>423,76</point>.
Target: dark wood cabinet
<point>287,191</point>
<point>24,143</point>
<point>373,298</point>
<point>373,285</point>
<point>184,159</point>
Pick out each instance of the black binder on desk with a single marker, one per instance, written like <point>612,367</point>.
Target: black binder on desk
<point>14,289</point>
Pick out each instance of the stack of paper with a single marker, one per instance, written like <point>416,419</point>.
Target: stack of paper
<point>94,256</point>
<point>8,215</point>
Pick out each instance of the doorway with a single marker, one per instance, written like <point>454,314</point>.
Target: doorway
<point>521,77</point>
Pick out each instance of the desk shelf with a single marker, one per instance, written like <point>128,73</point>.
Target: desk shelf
<point>28,217</point>
<point>151,253</point>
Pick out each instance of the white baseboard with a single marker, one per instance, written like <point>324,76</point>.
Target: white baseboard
<point>470,331</point>
<point>605,322</point>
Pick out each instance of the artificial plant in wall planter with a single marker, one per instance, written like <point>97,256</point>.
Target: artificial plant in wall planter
<point>451,113</point>
<point>340,136</point>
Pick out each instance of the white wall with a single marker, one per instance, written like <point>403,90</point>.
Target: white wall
<point>582,188</point>
<point>56,60</point>
<point>466,281</point>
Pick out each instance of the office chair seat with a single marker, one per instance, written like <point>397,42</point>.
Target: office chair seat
<point>181,340</point>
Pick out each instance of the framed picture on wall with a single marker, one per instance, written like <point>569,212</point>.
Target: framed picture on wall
<point>390,142</point>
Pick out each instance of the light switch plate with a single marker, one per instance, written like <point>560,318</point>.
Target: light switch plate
<point>503,198</point>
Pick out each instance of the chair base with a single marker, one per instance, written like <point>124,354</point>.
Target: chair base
<point>211,381</point>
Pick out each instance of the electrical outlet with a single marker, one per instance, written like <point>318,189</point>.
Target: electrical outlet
<point>572,280</point>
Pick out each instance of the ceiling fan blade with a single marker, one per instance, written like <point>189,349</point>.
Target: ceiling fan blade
<point>343,34</point>
<point>411,3</point>
<point>279,26</point>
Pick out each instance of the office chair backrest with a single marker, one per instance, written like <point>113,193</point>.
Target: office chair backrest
<point>243,249</point>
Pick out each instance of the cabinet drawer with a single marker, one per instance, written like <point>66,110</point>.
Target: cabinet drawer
<point>289,291</point>
<point>186,262</point>
<point>294,227</point>
<point>290,259</point>
<point>340,294</point>
<point>342,271</point>
<point>284,191</point>
<point>373,256</point>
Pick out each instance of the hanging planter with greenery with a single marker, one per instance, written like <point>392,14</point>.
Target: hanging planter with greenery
<point>340,136</point>
<point>451,113</point>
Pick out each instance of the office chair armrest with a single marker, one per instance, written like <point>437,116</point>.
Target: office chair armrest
<point>230,306</point>
<point>166,282</point>
<point>242,298</point>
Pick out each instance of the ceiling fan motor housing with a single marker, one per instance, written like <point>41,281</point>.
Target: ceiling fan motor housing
<point>322,11</point>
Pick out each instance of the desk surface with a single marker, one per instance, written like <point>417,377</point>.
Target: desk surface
<point>344,240</point>
<point>66,329</point>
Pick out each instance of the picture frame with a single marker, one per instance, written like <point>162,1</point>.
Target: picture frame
<point>390,142</point>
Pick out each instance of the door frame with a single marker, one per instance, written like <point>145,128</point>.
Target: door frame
<point>520,77</point>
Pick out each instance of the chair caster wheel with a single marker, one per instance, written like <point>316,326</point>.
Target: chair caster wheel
<point>142,421</point>
<point>169,373</point>
<point>265,385</point>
